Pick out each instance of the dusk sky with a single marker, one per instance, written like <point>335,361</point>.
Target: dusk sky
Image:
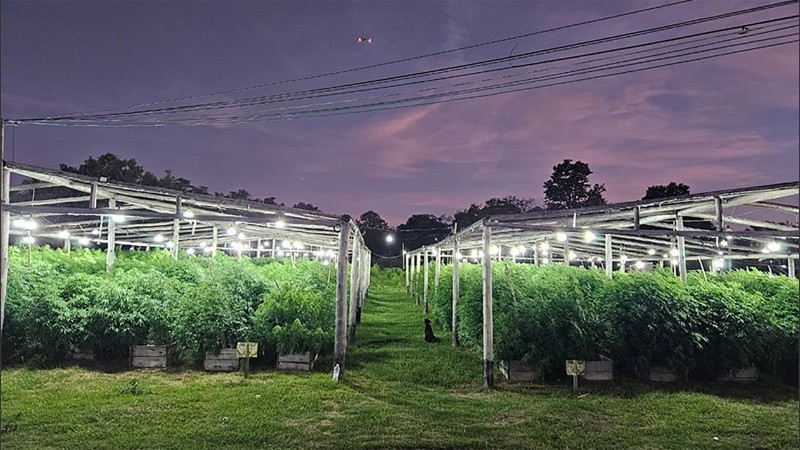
<point>716,124</point>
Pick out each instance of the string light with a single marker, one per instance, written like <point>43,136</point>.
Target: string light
<point>63,234</point>
<point>188,214</point>
<point>651,251</point>
<point>24,224</point>
<point>28,240</point>
<point>117,218</point>
<point>561,236</point>
<point>158,238</point>
<point>83,240</point>
<point>588,236</point>
<point>190,251</point>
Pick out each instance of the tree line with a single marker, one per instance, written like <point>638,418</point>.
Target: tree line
<point>568,187</point>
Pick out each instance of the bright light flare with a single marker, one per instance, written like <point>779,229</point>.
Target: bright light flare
<point>158,238</point>
<point>29,240</point>
<point>63,234</point>
<point>588,236</point>
<point>83,241</point>
<point>561,236</point>
<point>26,224</point>
<point>389,238</point>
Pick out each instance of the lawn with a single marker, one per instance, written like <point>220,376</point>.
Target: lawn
<point>398,392</point>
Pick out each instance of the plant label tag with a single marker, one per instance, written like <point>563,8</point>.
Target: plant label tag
<point>246,349</point>
<point>576,367</point>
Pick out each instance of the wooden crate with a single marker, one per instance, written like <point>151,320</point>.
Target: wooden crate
<point>599,370</point>
<point>515,371</point>
<point>299,361</point>
<point>224,361</point>
<point>661,374</point>
<point>153,356</point>
<point>85,354</point>
<point>744,375</point>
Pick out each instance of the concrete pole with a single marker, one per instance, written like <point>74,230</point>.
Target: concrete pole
<point>488,332</point>
<point>681,249</point>
<point>609,264</point>
<point>425,280</point>
<point>438,271</point>
<point>112,233</point>
<point>354,280</point>
<point>176,229</point>
<point>5,223</point>
<point>214,240</point>
<point>340,333</point>
<point>456,294</point>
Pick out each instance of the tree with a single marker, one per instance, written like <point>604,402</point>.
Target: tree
<point>114,168</point>
<point>568,187</point>
<point>494,206</point>
<point>306,206</point>
<point>423,229</point>
<point>371,220</point>
<point>673,189</point>
<point>241,194</point>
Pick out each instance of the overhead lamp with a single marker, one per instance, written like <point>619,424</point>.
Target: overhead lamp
<point>280,223</point>
<point>561,236</point>
<point>774,246</point>
<point>231,231</point>
<point>544,246</point>
<point>188,214</point>
<point>588,236</point>
<point>190,251</point>
<point>389,238</point>
<point>158,238</point>
<point>639,265</point>
<point>571,255</point>
<point>63,234</point>
<point>83,240</point>
<point>28,240</point>
<point>117,218</point>
<point>26,224</point>
<point>651,251</point>
<point>674,252</point>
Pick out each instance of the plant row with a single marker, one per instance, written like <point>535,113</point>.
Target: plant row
<point>710,326</point>
<point>60,303</point>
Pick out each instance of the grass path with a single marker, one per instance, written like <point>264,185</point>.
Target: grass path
<point>398,392</point>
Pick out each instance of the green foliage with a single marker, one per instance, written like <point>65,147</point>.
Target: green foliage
<point>296,319</point>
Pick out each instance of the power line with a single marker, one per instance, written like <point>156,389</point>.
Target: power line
<point>397,61</point>
<point>257,100</point>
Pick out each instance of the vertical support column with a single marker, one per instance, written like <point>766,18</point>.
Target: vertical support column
<point>488,332</point>
<point>681,248</point>
<point>417,257</point>
<point>718,211</point>
<point>405,268</point>
<point>176,228</point>
<point>566,252</point>
<point>438,271</point>
<point>112,234</point>
<point>67,244</point>
<point>214,240</point>
<point>425,280</point>
<point>258,248</point>
<point>340,333</point>
<point>354,281</point>
<point>609,263</point>
<point>456,288</point>
<point>636,213</point>
<point>790,268</point>
<point>5,223</point>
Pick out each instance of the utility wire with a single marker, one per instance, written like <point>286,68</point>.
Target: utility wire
<point>249,101</point>
<point>397,61</point>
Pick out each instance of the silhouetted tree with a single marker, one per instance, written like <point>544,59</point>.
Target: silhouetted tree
<point>494,206</point>
<point>306,206</point>
<point>673,189</point>
<point>568,187</point>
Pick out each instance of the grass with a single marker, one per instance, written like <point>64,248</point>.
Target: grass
<point>398,392</point>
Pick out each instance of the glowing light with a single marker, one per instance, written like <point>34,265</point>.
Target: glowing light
<point>639,265</point>
<point>26,224</point>
<point>674,252</point>
<point>208,249</point>
<point>240,236</point>
<point>326,262</point>
<point>774,246</point>
<point>718,263</point>
<point>231,231</point>
<point>623,257</point>
<point>83,240</point>
<point>188,214</point>
<point>202,244</point>
<point>280,224</point>
<point>28,240</point>
<point>494,250</point>
<point>117,218</point>
<point>190,251</point>
<point>63,234</point>
<point>545,261</point>
<point>561,236</point>
<point>389,238</point>
<point>96,232</point>
<point>158,238</point>
<point>588,236</point>
<point>572,256</point>
<point>723,243</point>
<point>544,246</point>
<point>514,251</point>
<point>651,251</point>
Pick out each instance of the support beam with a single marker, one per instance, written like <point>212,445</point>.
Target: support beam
<point>355,275</point>
<point>416,282</point>
<point>790,268</point>
<point>340,333</point>
<point>566,251</point>
<point>112,232</point>
<point>488,332</point>
<point>405,268</point>
<point>455,290</point>
<point>5,223</point>
<point>176,230</point>
<point>214,241</point>
<point>718,210</point>
<point>425,259</point>
<point>636,220</point>
<point>608,261</point>
<point>681,249</point>
<point>438,271</point>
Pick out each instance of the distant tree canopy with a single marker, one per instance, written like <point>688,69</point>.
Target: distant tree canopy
<point>306,206</point>
<point>494,206</point>
<point>423,229</point>
<point>673,189</point>
<point>370,220</point>
<point>568,187</point>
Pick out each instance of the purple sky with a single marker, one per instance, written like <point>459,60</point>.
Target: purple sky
<point>717,124</point>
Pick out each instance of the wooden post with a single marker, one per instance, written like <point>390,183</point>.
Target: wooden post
<point>425,280</point>
<point>636,213</point>
<point>488,332</point>
<point>5,223</point>
<point>417,257</point>
<point>609,264</point>
<point>718,211</point>
<point>791,271</point>
<point>354,280</point>
<point>681,249</point>
<point>455,290</point>
<point>93,196</point>
<point>566,251</point>
<point>67,245</point>
<point>258,248</point>
<point>340,333</point>
<point>214,241</point>
<point>405,267</point>
<point>112,232</point>
<point>438,271</point>
<point>176,228</point>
